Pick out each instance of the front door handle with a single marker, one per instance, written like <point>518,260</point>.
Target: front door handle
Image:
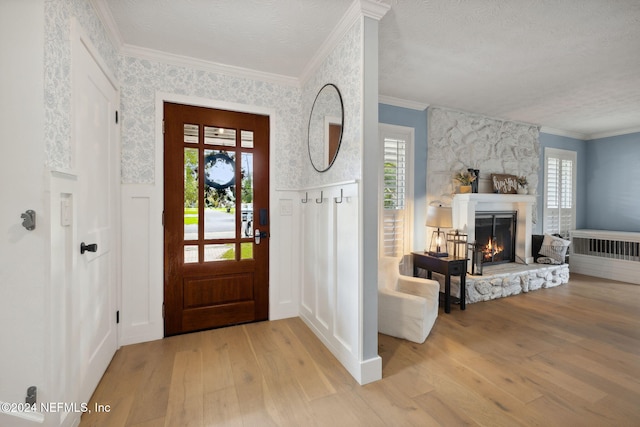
<point>93,247</point>
<point>257,235</point>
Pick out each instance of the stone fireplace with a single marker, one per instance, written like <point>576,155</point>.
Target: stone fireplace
<point>458,141</point>
<point>467,207</point>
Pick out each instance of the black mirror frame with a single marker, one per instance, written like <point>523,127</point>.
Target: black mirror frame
<point>341,128</point>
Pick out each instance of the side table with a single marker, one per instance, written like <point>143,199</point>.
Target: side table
<point>447,266</point>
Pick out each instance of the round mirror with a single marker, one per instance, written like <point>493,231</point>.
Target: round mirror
<point>325,127</point>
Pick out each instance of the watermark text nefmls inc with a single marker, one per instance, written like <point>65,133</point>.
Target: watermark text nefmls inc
<point>52,407</point>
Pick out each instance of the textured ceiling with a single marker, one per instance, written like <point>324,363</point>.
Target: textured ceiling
<point>573,65</point>
<point>272,36</point>
<point>570,65</point>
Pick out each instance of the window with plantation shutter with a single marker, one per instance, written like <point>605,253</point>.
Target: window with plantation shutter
<point>560,191</point>
<point>397,195</point>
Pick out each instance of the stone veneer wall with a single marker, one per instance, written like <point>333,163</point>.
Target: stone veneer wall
<point>458,140</point>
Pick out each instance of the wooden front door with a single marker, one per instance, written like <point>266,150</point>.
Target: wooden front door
<point>216,218</point>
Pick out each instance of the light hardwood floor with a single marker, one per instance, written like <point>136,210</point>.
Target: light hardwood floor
<point>567,356</point>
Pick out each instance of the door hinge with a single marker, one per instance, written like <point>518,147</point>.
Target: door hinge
<point>163,310</point>
<point>118,316</point>
<point>163,218</point>
<point>163,126</point>
<point>116,116</point>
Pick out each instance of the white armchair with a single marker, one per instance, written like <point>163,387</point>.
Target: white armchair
<point>407,306</point>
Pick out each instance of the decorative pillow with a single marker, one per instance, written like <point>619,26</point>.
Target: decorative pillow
<point>547,260</point>
<point>554,248</point>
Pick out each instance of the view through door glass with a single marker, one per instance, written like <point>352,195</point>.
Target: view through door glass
<point>216,217</point>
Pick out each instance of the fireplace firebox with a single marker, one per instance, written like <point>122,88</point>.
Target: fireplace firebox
<point>496,236</point>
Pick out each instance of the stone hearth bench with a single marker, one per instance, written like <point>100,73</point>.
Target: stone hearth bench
<point>503,280</point>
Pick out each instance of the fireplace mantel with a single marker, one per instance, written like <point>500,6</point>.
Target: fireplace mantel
<point>465,206</point>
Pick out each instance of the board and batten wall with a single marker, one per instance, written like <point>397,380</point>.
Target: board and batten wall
<point>338,298</point>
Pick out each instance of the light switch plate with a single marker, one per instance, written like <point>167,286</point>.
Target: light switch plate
<point>286,207</point>
<point>65,212</point>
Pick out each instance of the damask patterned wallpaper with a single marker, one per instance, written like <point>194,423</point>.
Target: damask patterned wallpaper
<point>343,67</point>
<point>57,78</point>
<point>141,79</point>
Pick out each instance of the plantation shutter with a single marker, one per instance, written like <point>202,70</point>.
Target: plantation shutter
<point>394,217</point>
<point>560,185</point>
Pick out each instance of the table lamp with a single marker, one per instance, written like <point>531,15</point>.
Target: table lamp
<point>438,217</point>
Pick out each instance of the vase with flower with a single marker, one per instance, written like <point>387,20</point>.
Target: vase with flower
<point>465,178</point>
<point>522,184</point>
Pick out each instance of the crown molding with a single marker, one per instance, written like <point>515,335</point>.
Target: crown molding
<point>189,62</point>
<point>343,26</point>
<point>359,8</point>
<point>374,9</point>
<point>484,116</point>
<point>568,134</point>
<point>601,135</point>
<point>403,103</point>
<point>105,16</point>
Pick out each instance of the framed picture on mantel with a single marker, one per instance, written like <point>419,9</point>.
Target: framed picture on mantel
<point>504,183</point>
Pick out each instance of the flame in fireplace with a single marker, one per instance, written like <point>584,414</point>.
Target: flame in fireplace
<point>491,250</point>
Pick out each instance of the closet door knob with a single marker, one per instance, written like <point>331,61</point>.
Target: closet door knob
<point>93,247</point>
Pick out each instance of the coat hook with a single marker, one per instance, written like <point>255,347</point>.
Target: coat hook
<point>336,199</point>
<point>321,196</point>
<point>306,197</point>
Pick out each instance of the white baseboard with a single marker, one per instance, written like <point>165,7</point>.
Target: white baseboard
<point>363,371</point>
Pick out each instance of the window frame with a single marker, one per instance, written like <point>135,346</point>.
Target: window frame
<point>561,155</point>
<point>407,134</point>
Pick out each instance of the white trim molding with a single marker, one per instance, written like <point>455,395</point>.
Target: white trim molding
<point>403,103</point>
<point>609,134</point>
<point>215,67</point>
<point>560,132</point>
<point>110,26</point>
<point>358,8</point>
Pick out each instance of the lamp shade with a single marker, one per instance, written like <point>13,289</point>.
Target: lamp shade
<point>439,217</point>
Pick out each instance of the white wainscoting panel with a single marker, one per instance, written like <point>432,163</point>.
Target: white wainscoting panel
<point>62,346</point>
<point>331,287</point>
<point>142,282</point>
<point>284,255</point>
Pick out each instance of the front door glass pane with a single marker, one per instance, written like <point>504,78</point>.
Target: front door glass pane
<point>219,136</point>
<point>191,194</point>
<point>246,250</point>
<point>190,254</point>
<point>191,133</point>
<point>246,173</point>
<point>221,252</point>
<point>220,194</point>
<point>246,139</point>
